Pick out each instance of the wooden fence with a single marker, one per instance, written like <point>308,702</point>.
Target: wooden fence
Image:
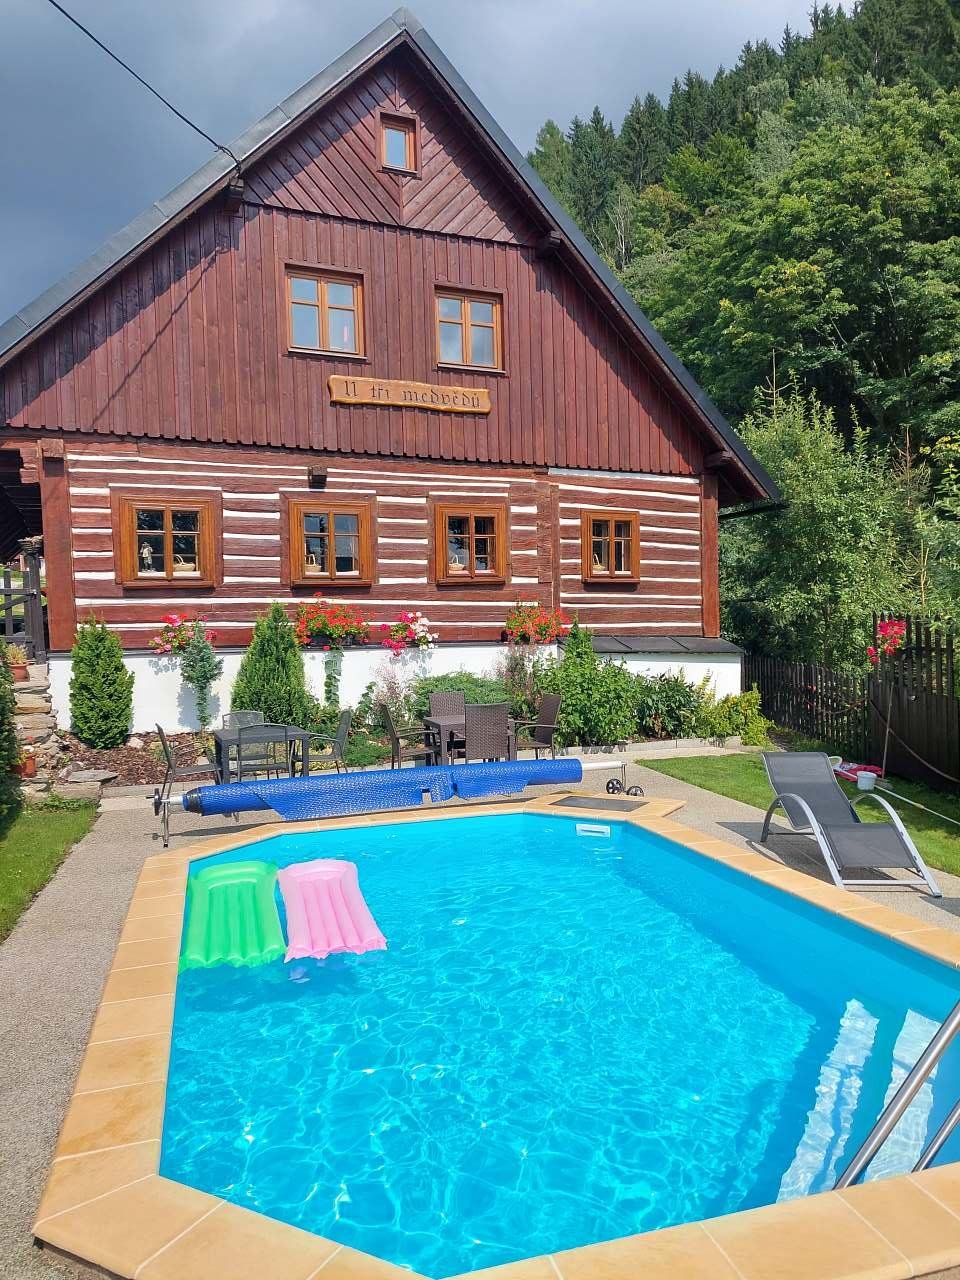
<point>906,713</point>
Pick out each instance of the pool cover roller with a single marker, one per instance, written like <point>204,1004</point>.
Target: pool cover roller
<point>334,795</point>
<point>233,916</point>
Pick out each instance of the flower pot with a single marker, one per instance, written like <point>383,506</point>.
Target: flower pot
<point>19,672</point>
<point>27,768</point>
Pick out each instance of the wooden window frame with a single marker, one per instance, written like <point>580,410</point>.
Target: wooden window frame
<point>410,125</point>
<point>442,512</point>
<point>465,297</point>
<point>209,542</point>
<point>590,574</point>
<point>296,569</point>
<point>324,275</point>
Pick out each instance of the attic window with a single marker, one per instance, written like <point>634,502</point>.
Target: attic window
<point>398,143</point>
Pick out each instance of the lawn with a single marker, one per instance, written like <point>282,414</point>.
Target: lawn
<point>742,777</point>
<point>33,843</point>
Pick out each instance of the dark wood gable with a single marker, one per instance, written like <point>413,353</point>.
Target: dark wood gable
<point>331,166</point>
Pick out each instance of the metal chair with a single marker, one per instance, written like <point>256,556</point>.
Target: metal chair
<point>425,753</point>
<point>332,746</point>
<point>238,719</point>
<point>543,730</point>
<point>487,732</point>
<point>175,773</point>
<point>264,748</point>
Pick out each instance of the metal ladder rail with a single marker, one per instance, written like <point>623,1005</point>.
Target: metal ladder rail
<point>905,1094</point>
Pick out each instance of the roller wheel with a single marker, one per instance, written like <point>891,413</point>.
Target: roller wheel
<point>614,787</point>
<point>634,791</point>
<point>157,802</point>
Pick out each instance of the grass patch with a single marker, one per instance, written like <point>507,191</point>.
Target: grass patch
<point>742,777</point>
<point>33,843</point>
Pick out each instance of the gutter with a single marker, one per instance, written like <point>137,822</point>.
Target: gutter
<point>752,509</point>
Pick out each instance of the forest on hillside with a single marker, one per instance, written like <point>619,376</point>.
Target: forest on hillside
<point>792,228</point>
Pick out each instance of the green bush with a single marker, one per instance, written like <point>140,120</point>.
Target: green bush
<point>101,688</point>
<point>474,689</point>
<point>665,706</point>
<point>598,705</point>
<point>271,677</point>
<point>736,715</point>
<point>199,667</point>
<point>9,747</point>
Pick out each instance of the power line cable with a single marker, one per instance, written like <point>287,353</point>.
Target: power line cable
<point>219,146</point>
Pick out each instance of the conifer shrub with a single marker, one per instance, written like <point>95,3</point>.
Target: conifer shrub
<point>200,667</point>
<point>101,687</point>
<point>271,676</point>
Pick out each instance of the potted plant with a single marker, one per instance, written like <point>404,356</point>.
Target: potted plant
<point>17,662</point>
<point>411,631</point>
<point>26,765</point>
<point>533,624</point>
<point>330,626</point>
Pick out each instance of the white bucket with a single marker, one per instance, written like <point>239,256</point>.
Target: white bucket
<point>866,781</point>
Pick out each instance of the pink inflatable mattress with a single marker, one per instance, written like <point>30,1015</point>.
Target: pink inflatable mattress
<point>326,912</point>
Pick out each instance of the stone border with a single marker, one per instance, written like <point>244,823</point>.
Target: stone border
<point>106,1204</point>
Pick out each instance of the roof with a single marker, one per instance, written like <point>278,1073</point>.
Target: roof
<point>401,28</point>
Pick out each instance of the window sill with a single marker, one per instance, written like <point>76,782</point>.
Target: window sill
<point>331,584</point>
<point>356,357</point>
<point>481,369</point>
<point>617,581</point>
<point>167,584</point>
<point>464,580</point>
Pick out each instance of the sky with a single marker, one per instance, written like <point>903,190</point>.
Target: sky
<point>84,148</point>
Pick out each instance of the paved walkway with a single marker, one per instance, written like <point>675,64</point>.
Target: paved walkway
<point>53,965</point>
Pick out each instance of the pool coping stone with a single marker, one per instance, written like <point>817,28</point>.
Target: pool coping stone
<point>106,1205</point>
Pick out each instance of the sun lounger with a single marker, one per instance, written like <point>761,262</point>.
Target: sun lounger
<point>815,804</point>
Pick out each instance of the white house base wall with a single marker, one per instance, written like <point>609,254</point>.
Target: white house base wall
<point>159,696</point>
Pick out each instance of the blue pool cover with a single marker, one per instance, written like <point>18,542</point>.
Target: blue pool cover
<point>333,795</point>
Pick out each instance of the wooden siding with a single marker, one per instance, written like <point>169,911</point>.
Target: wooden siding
<point>543,537</point>
<point>331,166</point>
<point>190,344</point>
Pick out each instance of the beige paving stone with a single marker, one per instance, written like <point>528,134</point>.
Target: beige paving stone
<point>137,1060</point>
<point>112,1118</point>
<point>680,1253</point>
<point>122,1230</point>
<point>351,1264</point>
<point>150,1015</point>
<point>133,955</point>
<point>76,1179</point>
<point>153,928</point>
<point>912,1221</point>
<point>236,1244</point>
<point>133,984</point>
<point>529,1269</point>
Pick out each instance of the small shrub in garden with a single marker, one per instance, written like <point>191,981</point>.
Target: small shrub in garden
<point>101,688</point>
<point>597,706</point>
<point>271,677</point>
<point>9,747</point>
<point>665,705</point>
<point>200,667</point>
<point>736,715</point>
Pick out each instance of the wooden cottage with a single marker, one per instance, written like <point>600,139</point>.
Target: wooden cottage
<point>374,361</point>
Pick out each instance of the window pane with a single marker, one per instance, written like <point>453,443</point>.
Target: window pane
<point>185,553</point>
<point>481,312</point>
<point>339,295</point>
<point>451,343</point>
<point>346,522</point>
<point>185,521</point>
<point>482,346</point>
<point>304,288</point>
<point>315,522</point>
<point>484,553</point>
<point>306,326</point>
<point>347,553</point>
<point>458,544</point>
<point>394,147</point>
<point>315,555</point>
<point>150,559</point>
<point>449,308</point>
<point>342,331</point>
<point>149,520</point>
<point>484,524</point>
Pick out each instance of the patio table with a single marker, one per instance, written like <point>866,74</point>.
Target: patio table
<point>446,727</point>
<point>227,740</point>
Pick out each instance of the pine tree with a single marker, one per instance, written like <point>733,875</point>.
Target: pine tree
<point>593,172</point>
<point>551,159</point>
<point>101,687</point>
<point>271,677</point>
<point>644,143</point>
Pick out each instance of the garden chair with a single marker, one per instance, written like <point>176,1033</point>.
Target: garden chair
<point>487,733</point>
<point>543,730</point>
<point>264,748</point>
<point>331,748</point>
<point>448,702</point>
<point>807,790</point>
<point>400,751</point>
<point>238,719</point>
<point>176,773</point>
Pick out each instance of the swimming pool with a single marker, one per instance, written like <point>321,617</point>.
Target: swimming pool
<point>580,1030</point>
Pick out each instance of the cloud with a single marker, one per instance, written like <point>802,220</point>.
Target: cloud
<point>85,148</point>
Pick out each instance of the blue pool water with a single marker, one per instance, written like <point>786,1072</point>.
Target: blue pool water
<point>571,1037</point>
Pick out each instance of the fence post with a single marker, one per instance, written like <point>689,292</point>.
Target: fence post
<point>33,623</point>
